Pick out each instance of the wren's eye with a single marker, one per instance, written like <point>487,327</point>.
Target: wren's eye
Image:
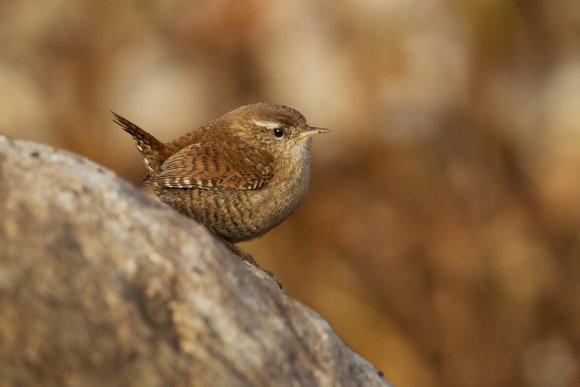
<point>278,132</point>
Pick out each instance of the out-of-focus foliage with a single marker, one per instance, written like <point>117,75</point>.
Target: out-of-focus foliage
<point>440,236</point>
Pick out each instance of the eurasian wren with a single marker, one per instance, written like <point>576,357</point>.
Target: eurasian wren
<point>239,175</point>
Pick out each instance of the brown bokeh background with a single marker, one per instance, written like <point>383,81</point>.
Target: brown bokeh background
<point>440,236</point>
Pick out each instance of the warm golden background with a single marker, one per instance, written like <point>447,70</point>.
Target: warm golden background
<point>440,236</point>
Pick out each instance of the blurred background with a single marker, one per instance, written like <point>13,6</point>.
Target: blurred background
<point>440,236</point>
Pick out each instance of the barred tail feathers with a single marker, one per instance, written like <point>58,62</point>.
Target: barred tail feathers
<point>153,151</point>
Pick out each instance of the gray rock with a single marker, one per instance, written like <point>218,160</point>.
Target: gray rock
<point>101,285</point>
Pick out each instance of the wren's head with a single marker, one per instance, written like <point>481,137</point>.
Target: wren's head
<point>278,129</point>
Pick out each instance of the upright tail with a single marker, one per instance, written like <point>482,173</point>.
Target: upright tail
<point>153,151</point>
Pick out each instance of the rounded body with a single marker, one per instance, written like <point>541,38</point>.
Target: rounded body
<point>240,215</point>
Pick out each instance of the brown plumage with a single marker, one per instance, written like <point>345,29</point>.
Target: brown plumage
<point>239,175</point>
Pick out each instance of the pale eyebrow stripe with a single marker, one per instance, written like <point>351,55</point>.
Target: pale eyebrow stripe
<point>268,124</point>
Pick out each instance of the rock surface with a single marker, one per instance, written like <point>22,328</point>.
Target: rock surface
<point>100,285</point>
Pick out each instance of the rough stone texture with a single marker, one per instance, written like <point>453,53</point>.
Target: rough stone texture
<point>100,285</point>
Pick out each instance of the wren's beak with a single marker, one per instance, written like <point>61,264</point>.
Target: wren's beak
<point>310,130</point>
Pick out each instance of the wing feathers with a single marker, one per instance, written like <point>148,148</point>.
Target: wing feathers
<point>215,166</point>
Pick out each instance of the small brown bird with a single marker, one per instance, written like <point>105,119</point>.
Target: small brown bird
<point>239,175</point>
